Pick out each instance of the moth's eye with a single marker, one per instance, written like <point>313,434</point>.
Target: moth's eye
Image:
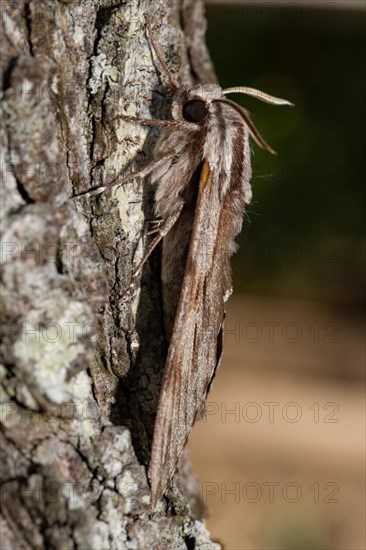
<point>195,110</point>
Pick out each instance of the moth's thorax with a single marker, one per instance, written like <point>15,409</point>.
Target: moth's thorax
<point>203,92</point>
<point>213,131</point>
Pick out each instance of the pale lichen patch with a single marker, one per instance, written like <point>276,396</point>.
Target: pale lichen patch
<point>116,454</point>
<point>52,348</point>
<point>101,72</point>
<point>112,514</point>
<point>75,501</point>
<point>127,487</point>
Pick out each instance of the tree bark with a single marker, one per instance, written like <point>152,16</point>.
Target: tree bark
<point>82,366</point>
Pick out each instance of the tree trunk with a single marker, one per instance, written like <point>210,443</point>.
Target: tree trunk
<point>81,365</point>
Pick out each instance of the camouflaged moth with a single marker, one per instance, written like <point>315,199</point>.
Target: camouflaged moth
<point>201,172</point>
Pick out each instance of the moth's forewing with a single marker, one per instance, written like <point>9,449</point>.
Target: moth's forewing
<point>205,284</point>
<point>195,344</point>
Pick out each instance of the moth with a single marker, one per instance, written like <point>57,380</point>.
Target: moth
<point>202,171</point>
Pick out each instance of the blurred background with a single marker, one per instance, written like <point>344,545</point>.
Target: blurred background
<point>280,454</point>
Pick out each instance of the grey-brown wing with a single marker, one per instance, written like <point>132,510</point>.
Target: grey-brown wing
<point>195,346</point>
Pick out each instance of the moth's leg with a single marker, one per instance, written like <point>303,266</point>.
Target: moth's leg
<point>162,231</point>
<point>155,226</point>
<point>139,174</point>
<point>173,83</point>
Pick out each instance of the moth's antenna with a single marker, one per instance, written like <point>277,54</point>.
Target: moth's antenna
<point>262,96</point>
<point>173,83</point>
<point>251,128</point>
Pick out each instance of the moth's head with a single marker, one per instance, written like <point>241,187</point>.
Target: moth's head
<point>192,103</point>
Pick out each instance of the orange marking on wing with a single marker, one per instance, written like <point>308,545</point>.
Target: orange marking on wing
<point>204,175</point>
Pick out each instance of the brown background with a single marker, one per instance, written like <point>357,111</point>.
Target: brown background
<point>310,442</point>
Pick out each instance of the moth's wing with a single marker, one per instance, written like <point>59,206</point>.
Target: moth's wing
<point>196,341</point>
